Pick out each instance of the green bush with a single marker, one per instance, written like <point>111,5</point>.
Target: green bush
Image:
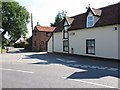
<point>29,45</point>
<point>19,45</point>
<point>2,50</point>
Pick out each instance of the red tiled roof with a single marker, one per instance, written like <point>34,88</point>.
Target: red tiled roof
<point>45,28</point>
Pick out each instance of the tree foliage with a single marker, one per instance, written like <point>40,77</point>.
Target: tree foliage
<point>14,20</point>
<point>29,45</point>
<point>0,14</point>
<point>59,17</point>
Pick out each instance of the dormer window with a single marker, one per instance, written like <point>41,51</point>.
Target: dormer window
<point>66,28</point>
<point>90,21</point>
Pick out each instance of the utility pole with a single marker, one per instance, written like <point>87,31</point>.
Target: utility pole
<point>31,21</point>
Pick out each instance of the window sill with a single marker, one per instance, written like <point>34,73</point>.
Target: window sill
<point>90,53</point>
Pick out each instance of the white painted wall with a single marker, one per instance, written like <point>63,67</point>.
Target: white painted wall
<point>96,19</point>
<point>106,41</point>
<point>107,44</point>
<point>119,41</point>
<point>49,46</point>
<point>58,42</point>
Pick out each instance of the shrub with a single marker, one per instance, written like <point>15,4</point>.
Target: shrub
<point>29,45</point>
<point>19,45</point>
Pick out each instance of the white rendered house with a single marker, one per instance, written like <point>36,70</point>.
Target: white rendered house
<point>94,33</point>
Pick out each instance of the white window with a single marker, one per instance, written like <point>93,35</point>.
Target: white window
<point>66,28</point>
<point>48,34</point>
<point>65,45</point>
<point>65,32</point>
<point>90,21</point>
<point>90,46</point>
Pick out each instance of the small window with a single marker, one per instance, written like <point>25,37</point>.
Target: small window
<point>90,46</point>
<point>35,43</point>
<point>42,44</point>
<point>48,34</point>
<point>65,32</point>
<point>90,21</point>
<point>66,28</point>
<point>65,45</point>
<point>72,33</point>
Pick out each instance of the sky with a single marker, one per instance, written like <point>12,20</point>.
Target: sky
<point>44,11</point>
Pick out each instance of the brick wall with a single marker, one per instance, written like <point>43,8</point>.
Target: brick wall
<point>40,38</point>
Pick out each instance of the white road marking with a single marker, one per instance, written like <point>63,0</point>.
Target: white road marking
<point>65,60</point>
<point>70,61</point>
<point>89,82</point>
<point>87,66</point>
<point>17,70</point>
<point>60,59</point>
<point>102,68</point>
<point>93,67</point>
<point>77,65</point>
<point>20,59</point>
<point>113,69</point>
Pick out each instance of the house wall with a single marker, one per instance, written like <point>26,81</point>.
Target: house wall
<point>58,42</point>
<point>96,19</point>
<point>39,37</point>
<point>119,41</point>
<point>50,45</point>
<point>106,42</point>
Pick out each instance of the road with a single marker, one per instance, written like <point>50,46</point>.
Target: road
<point>22,69</point>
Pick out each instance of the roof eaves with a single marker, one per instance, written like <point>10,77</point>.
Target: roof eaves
<point>66,18</point>
<point>93,12</point>
<point>97,12</point>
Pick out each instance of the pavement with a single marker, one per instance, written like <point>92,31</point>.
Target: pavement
<point>23,69</point>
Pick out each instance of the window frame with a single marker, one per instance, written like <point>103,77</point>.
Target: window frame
<point>65,32</point>
<point>42,44</point>
<point>48,34</point>
<point>91,45</point>
<point>65,46</point>
<point>35,44</point>
<point>90,21</point>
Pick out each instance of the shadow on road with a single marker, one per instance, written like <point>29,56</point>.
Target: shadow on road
<point>87,74</point>
<point>91,74</point>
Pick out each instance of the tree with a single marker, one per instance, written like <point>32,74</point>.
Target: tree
<point>59,17</point>
<point>0,14</point>
<point>14,20</point>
